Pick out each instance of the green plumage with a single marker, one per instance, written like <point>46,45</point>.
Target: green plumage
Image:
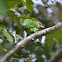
<point>32,26</point>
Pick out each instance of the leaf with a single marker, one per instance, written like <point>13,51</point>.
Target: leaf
<point>29,5</point>
<point>49,42</point>
<point>7,4</point>
<point>29,59</point>
<point>23,2</point>
<point>27,21</point>
<point>10,18</point>
<point>34,19</point>
<point>7,51</point>
<point>25,17</point>
<point>3,27</point>
<point>58,35</point>
<point>19,36</point>
<point>1,37</point>
<point>40,38</point>
<point>9,36</point>
<point>18,21</point>
<point>13,8</point>
<point>13,2</point>
<point>3,7</point>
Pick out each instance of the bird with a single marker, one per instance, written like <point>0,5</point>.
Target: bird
<point>33,26</point>
<point>40,25</point>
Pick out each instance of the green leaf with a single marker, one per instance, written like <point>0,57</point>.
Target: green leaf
<point>25,17</point>
<point>29,59</point>
<point>34,19</point>
<point>49,42</point>
<point>13,8</point>
<point>58,35</point>
<point>10,18</point>
<point>1,38</point>
<point>3,27</point>
<point>9,36</point>
<point>3,7</point>
<point>18,21</point>
<point>23,2</point>
<point>40,38</point>
<point>13,2</point>
<point>19,36</point>
<point>27,21</point>
<point>29,5</point>
<point>5,50</point>
<point>7,4</point>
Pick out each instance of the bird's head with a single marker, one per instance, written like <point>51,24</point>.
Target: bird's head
<point>40,25</point>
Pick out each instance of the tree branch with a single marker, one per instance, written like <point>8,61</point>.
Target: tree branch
<point>29,39</point>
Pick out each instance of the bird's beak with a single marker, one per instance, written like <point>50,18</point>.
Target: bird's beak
<point>42,26</point>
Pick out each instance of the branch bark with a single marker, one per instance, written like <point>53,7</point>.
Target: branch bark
<point>29,39</point>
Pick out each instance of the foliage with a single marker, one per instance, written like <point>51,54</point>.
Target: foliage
<point>29,4</point>
<point>17,12</point>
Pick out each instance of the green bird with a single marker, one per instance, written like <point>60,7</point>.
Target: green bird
<point>32,26</point>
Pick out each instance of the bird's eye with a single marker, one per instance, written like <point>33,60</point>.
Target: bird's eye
<point>39,23</point>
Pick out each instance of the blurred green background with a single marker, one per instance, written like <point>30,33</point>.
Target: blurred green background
<point>12,15</point>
